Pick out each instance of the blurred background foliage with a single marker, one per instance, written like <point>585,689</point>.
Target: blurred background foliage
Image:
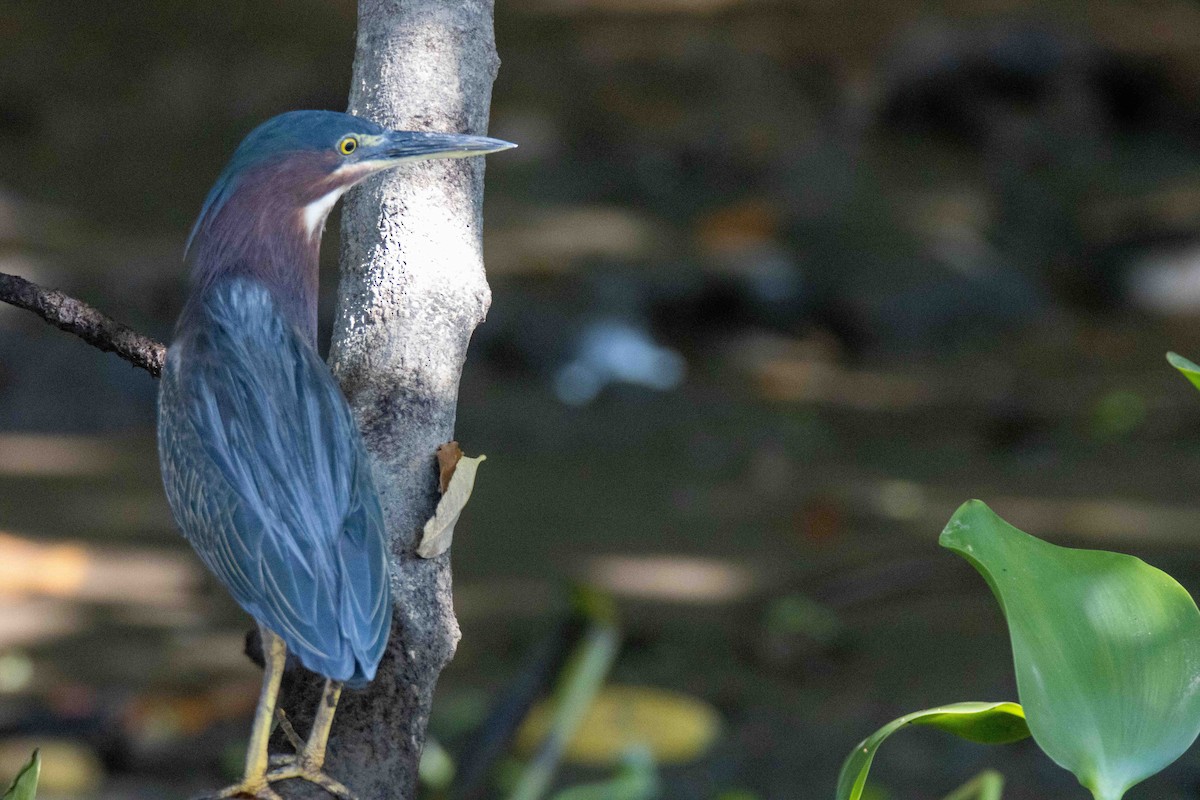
<point>777,286</point>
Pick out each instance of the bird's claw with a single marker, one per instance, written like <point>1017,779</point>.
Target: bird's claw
<point>260,790</point>
<point>284,768</point>
<point>288,767</point>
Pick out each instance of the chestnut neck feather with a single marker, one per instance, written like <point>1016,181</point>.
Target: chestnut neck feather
<point>254,227</point>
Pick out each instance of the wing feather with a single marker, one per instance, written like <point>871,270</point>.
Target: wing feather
<point>268,479</point>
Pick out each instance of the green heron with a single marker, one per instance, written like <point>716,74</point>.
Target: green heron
<point>263,465</point>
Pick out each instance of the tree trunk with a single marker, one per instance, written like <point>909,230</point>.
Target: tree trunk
<point>412,291</point>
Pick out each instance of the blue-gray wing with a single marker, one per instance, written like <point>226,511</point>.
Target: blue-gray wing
<point>267,476</point>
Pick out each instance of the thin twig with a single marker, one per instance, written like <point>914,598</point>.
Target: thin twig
<point>77,317</point>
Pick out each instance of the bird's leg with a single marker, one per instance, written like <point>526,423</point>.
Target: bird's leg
<point>318,737</point>
<point>307,764</point>
<point>255,780</point>
<point>293,738</point>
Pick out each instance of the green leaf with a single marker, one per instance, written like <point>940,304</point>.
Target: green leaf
<point>987,723</point>
<point>576,689</point>
<point>637,779</point>
<point>987,785</point>
<point>24,786</point>
<point>1107,650</point>
<point>1190,370</point>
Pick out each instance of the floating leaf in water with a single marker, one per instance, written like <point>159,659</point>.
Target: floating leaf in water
<point>24,786</point>
<point>987,723</point>
<point>674,727</point>
<point>1107,650</point>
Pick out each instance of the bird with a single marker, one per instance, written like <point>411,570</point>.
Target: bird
<point>262,463</point>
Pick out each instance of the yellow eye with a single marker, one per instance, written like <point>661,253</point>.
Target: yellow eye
<point>348,145</point>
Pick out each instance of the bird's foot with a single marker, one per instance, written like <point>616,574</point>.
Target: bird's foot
<point>288,767</point>
<point>258,790</point>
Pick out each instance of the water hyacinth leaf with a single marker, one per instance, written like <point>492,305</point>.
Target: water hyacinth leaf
<point>1190,370</point>
<point>24,786</point>
<point>986,723</point>
<point>1106,647</point>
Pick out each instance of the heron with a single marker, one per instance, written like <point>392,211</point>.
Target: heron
<point>263,465</point>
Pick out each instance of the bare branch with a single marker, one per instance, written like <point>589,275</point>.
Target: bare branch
<point>77,317</point>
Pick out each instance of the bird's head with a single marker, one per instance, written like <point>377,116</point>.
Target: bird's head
<point>294,167</point>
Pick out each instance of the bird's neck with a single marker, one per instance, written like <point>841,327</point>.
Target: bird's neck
<point>264,232</point>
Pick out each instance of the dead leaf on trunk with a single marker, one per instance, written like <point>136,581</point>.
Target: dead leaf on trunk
<point>448,456</point>
<point>458,476</point>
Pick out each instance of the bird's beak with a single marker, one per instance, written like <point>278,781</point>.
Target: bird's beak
<point>397,146</point>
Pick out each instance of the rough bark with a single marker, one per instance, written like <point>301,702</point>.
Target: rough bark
<point>412,291</point>
<point>77,317</point>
